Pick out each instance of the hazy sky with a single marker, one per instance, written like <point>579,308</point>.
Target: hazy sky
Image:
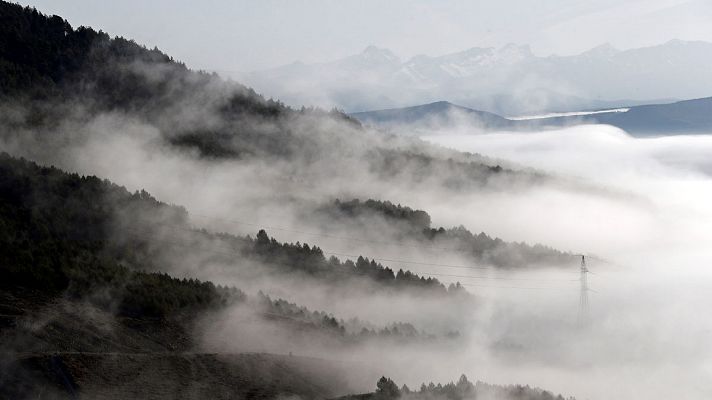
<point>238,35</point>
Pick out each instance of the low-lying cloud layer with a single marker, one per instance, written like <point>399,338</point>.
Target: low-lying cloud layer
<point>647,337</point>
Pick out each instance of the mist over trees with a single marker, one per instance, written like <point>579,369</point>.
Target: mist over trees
<point>55,75</point>
<point>47,204</point>
<point>91,215</point>
<point>387,389</point>
<point>51,67</point>
<point>58,236</point>
<point>88,266</point>
<point>416,225</point>
<point>54,232</point>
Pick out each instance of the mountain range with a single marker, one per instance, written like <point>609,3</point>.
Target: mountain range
<point>510,80</point>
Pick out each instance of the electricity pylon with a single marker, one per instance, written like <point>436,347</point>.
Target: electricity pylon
<point>583,298</point>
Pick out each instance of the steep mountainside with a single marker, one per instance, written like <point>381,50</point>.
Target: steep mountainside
<point>111,293</point>
<point>57,228</point>
<point>82,301</point>
<point>52,69</point>
<point>59,82</point>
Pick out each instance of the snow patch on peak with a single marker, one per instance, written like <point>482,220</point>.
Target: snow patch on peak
<point>376,53</point>
<point>511,53</point>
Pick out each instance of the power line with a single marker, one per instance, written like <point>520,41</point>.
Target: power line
<point>410,262</point>
<point>513,287</point>
<point>502,278</point>
<point>583,314</point>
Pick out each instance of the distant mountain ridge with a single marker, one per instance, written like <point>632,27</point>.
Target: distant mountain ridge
<point>682,117</point>
<point>510,80</point>
<point>689,116</point>
<point>433,114</point>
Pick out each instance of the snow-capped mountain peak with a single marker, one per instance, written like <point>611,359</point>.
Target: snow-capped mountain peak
<point>377,54</point>
<point>603,50</point>
<point>515,52</point>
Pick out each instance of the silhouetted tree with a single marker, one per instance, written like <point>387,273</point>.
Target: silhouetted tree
<point>387,389</point>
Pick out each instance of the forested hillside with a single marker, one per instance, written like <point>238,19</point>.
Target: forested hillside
<point>58,228</point>
<point>45,62</point>
<point>109,289</point>
<point>64,254</point>
<point>52,74</point>
<point>415,225</point>
<point>74,281</point>
<point>55,229</point>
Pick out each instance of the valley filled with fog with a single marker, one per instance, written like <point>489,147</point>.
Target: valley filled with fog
<point>654,238</point>
<point>636,207</point>
<point>168,232</point>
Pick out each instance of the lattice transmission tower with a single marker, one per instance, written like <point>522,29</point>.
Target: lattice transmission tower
<point>583,312</point>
